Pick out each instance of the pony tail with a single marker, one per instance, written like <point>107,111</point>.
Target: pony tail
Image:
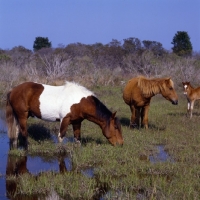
<point>11,122</point>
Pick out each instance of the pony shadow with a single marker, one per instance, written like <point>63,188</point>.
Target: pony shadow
<point>196,114</point>
<point>124,121</point>
<point>177,114</point>
<point>39,132</point>
<point>88,139</point>
<point>83,141</point>
<point>157,128</point>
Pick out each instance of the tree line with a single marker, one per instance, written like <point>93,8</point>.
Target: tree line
<point>95,64</point>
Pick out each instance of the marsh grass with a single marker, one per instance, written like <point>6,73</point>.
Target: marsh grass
<point>124,172</point>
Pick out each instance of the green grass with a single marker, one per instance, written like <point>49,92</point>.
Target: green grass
<point>124,172</point>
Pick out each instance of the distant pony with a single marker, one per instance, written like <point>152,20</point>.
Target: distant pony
<point>192,94</point>
<point>69,104</point>
<point>138,93</point>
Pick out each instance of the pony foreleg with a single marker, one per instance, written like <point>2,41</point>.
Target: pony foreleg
<point>63,128</point>
<point>191,108</point>
<point>188,108</point>
<point>77,131</point>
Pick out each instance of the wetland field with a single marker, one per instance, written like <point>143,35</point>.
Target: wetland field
<point>162,162</point>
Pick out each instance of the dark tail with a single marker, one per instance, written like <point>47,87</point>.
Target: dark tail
<point>11,123</point>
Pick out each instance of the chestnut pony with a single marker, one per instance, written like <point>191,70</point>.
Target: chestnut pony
<point>192,94</point>
<point>138,93</point>
<point>69,104</point>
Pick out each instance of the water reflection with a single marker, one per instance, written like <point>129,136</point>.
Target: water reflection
<point>18,166</point>
<point>88,172</point>
<point>14,165</point>
<point>3,127</point>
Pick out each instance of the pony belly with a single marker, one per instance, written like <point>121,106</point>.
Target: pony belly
<point>50,118</point>
<point>53,112</point>
<point>49,112</point>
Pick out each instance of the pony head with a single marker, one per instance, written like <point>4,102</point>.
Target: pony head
<point>113,132</point>
<point>168,91</point>
<point>186,86</point>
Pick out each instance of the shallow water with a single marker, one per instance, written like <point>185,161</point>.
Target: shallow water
<point>161,156</point>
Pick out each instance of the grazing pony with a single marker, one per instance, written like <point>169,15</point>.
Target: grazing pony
<point>69,104</point>
<point>138,93</point>
<point>192,94</point>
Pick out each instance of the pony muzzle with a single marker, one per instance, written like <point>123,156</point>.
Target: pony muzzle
<point>175,102</point>
<point>116,142</point>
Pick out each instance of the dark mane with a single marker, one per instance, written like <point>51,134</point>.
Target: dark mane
<point>117,123</point>
<point>101,110</point>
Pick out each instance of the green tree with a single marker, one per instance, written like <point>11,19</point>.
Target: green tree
<point>155,47</point>
<point>132,45</point>
<point>182,44</point>
<point>41,42</point>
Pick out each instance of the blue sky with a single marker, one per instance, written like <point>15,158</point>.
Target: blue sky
<point>91,21</point>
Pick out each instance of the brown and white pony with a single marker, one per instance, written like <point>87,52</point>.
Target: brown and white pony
<point>138,93</point>
<point>69,104</point>
<point>192,94</point>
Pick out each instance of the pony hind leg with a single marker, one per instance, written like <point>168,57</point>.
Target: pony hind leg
<point>135,117</point>
<point>23,129</point>
<point>13,141</point>
<point>144,116</point>
<point>12,124</point>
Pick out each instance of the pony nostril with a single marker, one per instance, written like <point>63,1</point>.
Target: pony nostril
<point>175,102</point>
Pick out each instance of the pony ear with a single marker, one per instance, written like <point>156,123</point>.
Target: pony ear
<point>167,80</point>
<point>113,114</point>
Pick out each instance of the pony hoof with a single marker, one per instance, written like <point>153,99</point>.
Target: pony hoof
<point>133,125</point>
<point>77,142</point>
<point>60,140</point>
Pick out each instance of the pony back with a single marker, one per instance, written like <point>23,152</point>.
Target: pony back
<point>152,86</point>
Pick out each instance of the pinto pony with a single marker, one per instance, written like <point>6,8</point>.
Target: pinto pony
<point>69,104</point>
<point>192,94</point>
<point>138,93</point>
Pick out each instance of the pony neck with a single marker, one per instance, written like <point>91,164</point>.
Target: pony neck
<point>100,114</point>
<point>103,124</point>
<point>191,88</point>
<point>150,88</point>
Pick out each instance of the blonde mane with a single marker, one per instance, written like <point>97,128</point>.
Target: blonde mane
<point>152,86</point>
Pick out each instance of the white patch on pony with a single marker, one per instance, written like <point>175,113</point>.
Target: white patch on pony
<point>185,86</point>
<point>56,101</point>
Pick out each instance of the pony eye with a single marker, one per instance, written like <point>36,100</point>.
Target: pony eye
<point>171,88</point>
